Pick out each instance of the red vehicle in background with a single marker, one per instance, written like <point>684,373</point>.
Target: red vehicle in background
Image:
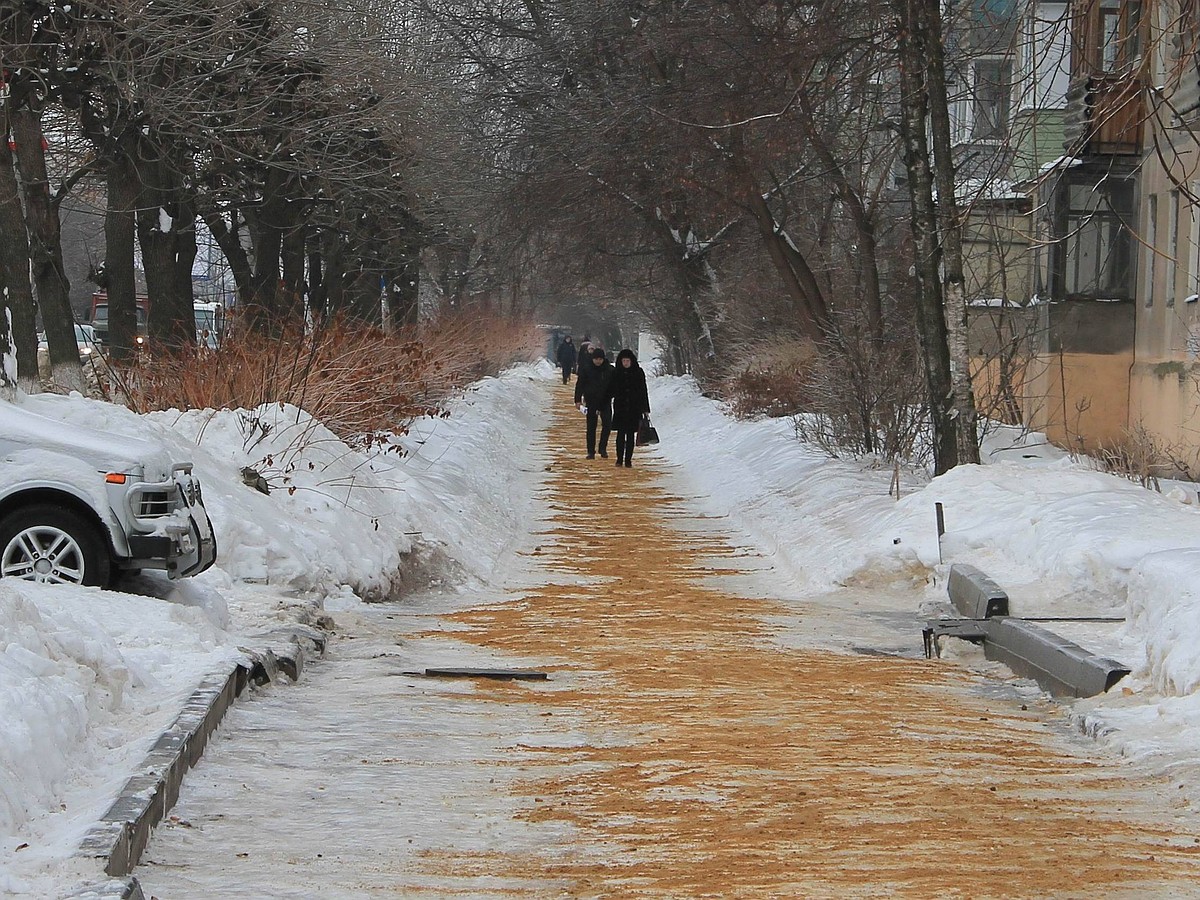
<point>98,317</point>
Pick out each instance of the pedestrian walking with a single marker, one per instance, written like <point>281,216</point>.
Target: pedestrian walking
<point>592,390</point>
<point>630,403</point>
<point>585,354</point>
<point>566,357</point>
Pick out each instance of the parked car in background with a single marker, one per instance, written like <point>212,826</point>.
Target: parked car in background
<point>210,324</point>
<point>79,506</point>
<point>90,351</point>
<point>98,317</point>
<point>85,337</point>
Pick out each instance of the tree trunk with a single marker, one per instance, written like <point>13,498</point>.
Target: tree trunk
<point>185,259</point>
<point>8,358</point>
<point>165,228</point>
<point>798,278</point>
<point>120,227</point>
<point>402,294</point>
<point>14,273</point>
<point>950,230</point>
<point>931,322</point>
<point>49,276</point>
<point>317,298</point>
<point>292,257</point>
<point>267,225</point>
<point>335,278</point>
<point>793,269</point>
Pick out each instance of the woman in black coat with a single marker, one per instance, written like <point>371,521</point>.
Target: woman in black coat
<point>630,402</point>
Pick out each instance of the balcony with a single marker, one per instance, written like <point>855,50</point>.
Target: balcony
<point>1105,116</point>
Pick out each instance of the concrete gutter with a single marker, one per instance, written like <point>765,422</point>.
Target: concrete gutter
<point>121,836</point>
<point>1061,667</point>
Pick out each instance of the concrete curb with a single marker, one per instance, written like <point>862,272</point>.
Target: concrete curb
<point>121,836</point>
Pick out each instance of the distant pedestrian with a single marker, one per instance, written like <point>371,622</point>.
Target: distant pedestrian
<point>630,403</point>
<point>592,389</point>
<point>566,357</point>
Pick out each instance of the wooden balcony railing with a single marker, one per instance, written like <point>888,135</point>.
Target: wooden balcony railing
<point>1105,115</point>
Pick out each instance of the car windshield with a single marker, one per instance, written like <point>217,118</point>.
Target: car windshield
<point>100,315</point>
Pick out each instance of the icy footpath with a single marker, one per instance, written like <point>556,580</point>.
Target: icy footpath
<point>89,678</point>
<point>1062,538</point>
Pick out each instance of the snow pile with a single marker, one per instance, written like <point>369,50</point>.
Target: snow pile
<point>1062,538</point>
<point>1164,607</point>
<point>338,516</point>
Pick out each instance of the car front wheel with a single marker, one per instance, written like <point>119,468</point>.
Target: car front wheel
<point>53,545</point>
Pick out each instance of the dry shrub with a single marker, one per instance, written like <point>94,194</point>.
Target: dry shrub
<point>868,398</point>
<point>357,380</point>
<point>772,378</point>
<point>1144,457</point>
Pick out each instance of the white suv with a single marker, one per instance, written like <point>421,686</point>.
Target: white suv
<point>79,507</point>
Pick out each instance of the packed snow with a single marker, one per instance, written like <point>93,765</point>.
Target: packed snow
<point>91,677</point>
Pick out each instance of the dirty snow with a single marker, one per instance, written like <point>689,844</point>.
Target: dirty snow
<point>1062,538</point>
<point>90,677</point>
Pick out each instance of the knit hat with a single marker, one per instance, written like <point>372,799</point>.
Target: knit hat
<point>597,353</point>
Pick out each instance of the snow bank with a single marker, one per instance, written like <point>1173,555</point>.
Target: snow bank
<point>1164,606</point>
<point>337,516</point>
<point>1063,538</point>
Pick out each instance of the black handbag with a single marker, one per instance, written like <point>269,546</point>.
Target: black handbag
<point>646,433</point>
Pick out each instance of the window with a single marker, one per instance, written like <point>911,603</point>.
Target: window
<point>1119,40</point>
<point>1172,247</point>
<point>991,91</point>
<point>1150,240</point>
<point>1095,258</point>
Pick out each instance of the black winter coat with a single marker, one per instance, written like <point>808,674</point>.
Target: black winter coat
<point>630,399</point>
<point>593,383</point>
<point>566,356</point>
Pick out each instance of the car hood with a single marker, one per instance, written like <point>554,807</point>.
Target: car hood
<point>21,429</point>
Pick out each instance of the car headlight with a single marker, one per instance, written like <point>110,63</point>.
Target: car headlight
<point>140,340</point>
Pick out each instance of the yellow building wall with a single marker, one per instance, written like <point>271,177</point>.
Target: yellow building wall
<point>1166,405</point>
<point>1080,400</point>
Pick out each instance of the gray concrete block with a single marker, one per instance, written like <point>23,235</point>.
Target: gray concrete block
<point>974,594</point>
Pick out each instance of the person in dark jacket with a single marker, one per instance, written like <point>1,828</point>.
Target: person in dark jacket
<point>585,354</point>
<point>592,389</point>
<point>630,402</point>
<point>566,357</point>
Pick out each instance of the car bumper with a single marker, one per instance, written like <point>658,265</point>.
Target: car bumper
<point>181,543</point>
<point>179,554</point>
